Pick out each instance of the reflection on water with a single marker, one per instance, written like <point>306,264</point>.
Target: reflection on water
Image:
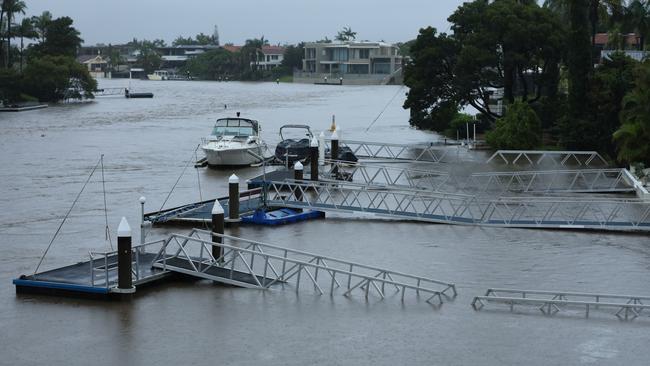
<point>46,156</point>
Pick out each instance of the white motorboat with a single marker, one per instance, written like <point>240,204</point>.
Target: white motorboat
<point>235,142</point>
<point>158,75</point>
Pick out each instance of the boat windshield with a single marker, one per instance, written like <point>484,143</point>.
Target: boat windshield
<point>234,127</point>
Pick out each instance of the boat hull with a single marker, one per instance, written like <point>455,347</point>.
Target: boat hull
<point>233,157</point>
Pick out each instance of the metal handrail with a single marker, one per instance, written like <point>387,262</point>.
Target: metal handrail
<point>106,269</point>
<point>333,259</point>
<point>383,277</point>
<point>534,212</point>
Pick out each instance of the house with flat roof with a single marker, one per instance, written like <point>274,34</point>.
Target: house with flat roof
<point>356,62</point>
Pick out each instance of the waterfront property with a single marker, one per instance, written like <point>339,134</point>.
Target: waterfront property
<point>270,58</point>
<point>354,62</point>
<point>96,65</point>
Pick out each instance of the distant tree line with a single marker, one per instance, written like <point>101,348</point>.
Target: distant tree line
<point>46,70</point>
<point>542,60</point>
<point>243,63</point>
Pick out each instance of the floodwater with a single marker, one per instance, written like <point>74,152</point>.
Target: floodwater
<point>46,156</point>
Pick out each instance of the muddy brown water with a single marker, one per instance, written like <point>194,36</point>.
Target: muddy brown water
<point>46,156</point>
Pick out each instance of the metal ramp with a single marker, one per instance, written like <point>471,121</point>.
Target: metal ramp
<point>253,264</point>
<point>552,181</point>
<point>108,91</point>
<point>545,157</point>
<point>551,302</point>
<point>541,182</point>
<point>432,153</point>
<point>418,205</point>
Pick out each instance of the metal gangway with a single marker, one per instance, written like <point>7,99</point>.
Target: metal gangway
<point>254,264</point>
<point>450,208</point>
<point>431,153</point>
<point>546,157</point>
<point>539,182</point>
<point>551,302</point>
<point>552,181</point>
<point>108,91</point>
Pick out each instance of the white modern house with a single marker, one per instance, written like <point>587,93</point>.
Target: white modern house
<point>351,63</point>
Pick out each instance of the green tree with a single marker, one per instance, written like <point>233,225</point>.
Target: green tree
<point>10,8</point>
<point>609,85</point>
<point>633,135</point>
<point>346,34</point>
<point>115,59</point>
<point>213,65</point>
<point>54,78</point>
<point>579,61</point>
<point>519,129</point>
<point>432,97</point>
<point>159,43</point>
<point>41,23</point>
<point>10,85</point>
<point>251,52</point>
<point>61,38</point>
<point>181,41</point>
<point>293,56</point>
<point>25,30</point>
<point>204,39</point>
<point>148,58</point>
<point>638,14</point>
<point>514,45</point>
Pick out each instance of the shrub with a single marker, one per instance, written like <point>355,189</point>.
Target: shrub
<point>519,129</point>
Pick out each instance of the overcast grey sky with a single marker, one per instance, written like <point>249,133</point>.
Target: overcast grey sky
<point>280,21</point>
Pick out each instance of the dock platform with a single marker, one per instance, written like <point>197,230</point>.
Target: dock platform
<point>18,108</point>
<point>93,278</point>
<point>199,212</point>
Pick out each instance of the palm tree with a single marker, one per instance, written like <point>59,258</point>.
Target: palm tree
<point>40,24</point>
<point>11,7</point>
<point>638,14</point>
<point>600,11</point>
<point>25,30</point>
<point>346,34</point>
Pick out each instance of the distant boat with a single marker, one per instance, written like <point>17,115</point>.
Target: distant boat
<point>158,75</point>
<point>235,142</point>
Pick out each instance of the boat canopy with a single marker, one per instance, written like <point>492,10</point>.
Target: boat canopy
<point>235,127</point>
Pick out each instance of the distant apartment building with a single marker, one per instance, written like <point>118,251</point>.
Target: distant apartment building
<point>351,63</point>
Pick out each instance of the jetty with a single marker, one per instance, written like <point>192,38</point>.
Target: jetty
<point>214,256</point>
<point>21,108</point>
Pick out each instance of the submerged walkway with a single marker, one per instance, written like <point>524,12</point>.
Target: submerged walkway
<point>418,205</point>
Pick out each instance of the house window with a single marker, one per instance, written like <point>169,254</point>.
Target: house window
<point>365,53</point>
<point>274,57</point>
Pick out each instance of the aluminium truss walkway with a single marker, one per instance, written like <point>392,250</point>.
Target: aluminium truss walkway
<point>546,157</point>
<point>552,181</point>
<point>545,181</point>
<point>253,264</point>
<point>419,205</point>
<point>552,302</point>
<point>431,153</point>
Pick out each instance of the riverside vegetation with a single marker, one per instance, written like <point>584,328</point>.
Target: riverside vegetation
<point>543,58</point>
<point>46,70</point>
